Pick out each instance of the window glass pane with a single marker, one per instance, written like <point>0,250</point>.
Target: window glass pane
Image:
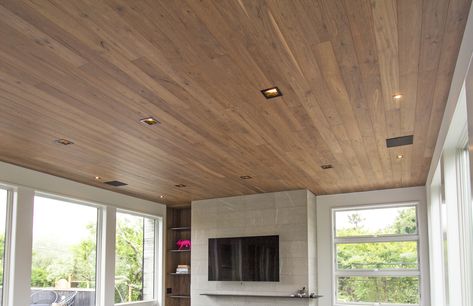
<point>377,256</point>
<point>377,221</point>
<point>394,290</point>
<point>135,258</point>
<point>64,253</point>
<point>3,218</point>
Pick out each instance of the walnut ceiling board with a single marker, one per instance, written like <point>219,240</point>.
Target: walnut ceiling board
<point>88,71</point>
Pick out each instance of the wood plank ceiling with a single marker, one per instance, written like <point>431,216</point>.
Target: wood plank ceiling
<point>89,70</point>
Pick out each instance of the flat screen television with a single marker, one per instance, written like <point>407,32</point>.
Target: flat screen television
<point>254,259</point>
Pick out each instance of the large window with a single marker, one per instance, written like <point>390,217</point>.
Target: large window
<point>3,218</point>
<point>64,252</point>
<point>376,255</point>
<point>135,258</point>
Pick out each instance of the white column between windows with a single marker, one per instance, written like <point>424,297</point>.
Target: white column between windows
<point>106,257</point>
<point>21,244</point>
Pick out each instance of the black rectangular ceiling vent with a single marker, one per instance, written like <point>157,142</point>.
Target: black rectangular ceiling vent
<point>115,183</point>
<point>400,141</point>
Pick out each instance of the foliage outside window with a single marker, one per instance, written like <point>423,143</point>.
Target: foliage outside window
<point>135,258</point>
<point>64,252</point>
<point>376,253</point>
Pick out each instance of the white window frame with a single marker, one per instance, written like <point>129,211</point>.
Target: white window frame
<point>158,269</point>
<point>99,247</point>
<point>375,239</point>
<point>453,166</point>
<point>24,185</point>
<point>7,244</point>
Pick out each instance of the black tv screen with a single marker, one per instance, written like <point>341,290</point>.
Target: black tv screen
<point>244,259</point>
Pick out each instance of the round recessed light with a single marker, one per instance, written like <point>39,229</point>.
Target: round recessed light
<point>246,177</point>
<point>400,156</point>
<point>98,178</point>
<point>162,196</point>
<point>397,96</point>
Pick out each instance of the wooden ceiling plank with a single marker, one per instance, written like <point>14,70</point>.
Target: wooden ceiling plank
<point>41,38</point>
<point>452,37</point>
<point>409,34</point>
<point>90,70</point>
<point>434,19</point>
<point>357,41</point>
<point>385,29</point>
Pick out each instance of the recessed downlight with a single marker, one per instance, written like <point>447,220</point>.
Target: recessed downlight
<point>149,121</point>
<point>327,166</point>
<point>98,178</point>
<point>180,185</point>
<point>64,142</point>
<point>397,96</point>
<point>272,92</point>
<point>399,156</point>
<point>246,177</point>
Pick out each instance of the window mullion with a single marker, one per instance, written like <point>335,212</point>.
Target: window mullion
<point>404,272</point>
<point>373,239</point>
<point>106,253</point>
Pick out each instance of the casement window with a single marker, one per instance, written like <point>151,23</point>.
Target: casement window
<point>376,255</point>
<point>64,254</point>
<point>135,259</point>
<point>68,247</point>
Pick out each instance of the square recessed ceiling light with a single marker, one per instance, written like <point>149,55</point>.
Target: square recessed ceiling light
<point>149,121</point>
<point>272,92</point>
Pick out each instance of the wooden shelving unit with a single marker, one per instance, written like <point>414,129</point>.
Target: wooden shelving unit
<point>177,284</point>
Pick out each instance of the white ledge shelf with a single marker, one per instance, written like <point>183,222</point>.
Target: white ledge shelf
<point>260,296</point>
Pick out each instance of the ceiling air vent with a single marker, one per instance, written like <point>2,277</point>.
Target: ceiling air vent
<point>399,141</point>
<point>115,183</point>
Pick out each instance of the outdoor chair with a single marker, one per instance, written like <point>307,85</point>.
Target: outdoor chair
<point>43,297</point>
<point>67,300</point>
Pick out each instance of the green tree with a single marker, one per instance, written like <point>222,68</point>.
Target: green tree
<point>48,267</point>
<point>84,259</point>
<point>387,255</point>
<point>129,260</point>
<point>405,222</point>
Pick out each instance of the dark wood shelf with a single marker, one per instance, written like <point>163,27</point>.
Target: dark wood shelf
<point>260,296</point>
<point>182,228</point>
<point>177,296</point>
<point>179,251</point>
<point>178,285</point>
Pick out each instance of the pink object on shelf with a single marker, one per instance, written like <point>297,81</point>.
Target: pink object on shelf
<point>183,244</point>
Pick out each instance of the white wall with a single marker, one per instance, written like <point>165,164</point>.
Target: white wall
<point>19,176</point>
<point>291,215</point>
<point>324,232</point>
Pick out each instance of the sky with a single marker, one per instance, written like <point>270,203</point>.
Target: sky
<point>61,221</point>
<point>373,219</point>
<point>54,220</point>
